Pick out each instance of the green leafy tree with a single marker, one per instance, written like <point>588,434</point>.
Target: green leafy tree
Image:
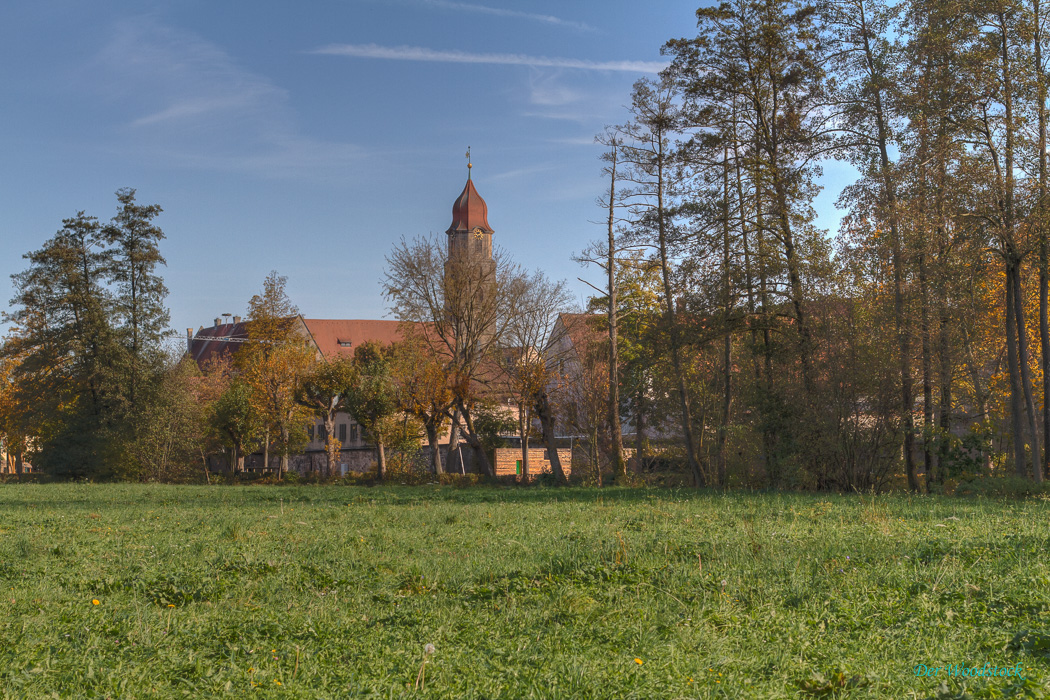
<point>234,419</point>
<point>139,314</point>
<point>324,393</point>
<point>371,396</point>
<point>68,354</point>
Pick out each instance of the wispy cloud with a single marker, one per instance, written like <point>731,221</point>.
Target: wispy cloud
<point>192,107</point>
<point>564,95</point>
<point>419,53</point>
<point>574,141</point>
<point>547,89</point>
<point>192,104</point>
<point>523,172</point>
<point>515,14</point>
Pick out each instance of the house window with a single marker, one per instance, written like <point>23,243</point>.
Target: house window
<point>342,432</point>
<point>322,432</point>
<point>310,432</point>
<point>353,432</point>
<point>345,343</point>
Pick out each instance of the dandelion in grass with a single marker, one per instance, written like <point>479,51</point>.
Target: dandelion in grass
<point>94,601</point>
<point>638,661</point>
<point>421,677</point>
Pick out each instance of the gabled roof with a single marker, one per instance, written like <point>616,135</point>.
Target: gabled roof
<point>469,211</point>
<point>332,337</point>
<point>212,343</point>
<point>336,337</point>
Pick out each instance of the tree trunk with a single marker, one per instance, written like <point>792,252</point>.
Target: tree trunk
<point>284,452</point>
<point>435,449</point>
<point>332,442</point>
<point>593,448</point>
<point>546,416</point>
<point>768,438</point>
<point>727,355</point>
<point>266,451</point>
<point>1041,225</point>
<point>1026,379</point>
<point>945,417</point>
<point>795,284</point>
<point>381,456</point>
<point>523,431</point>
<point>980,394</point>
<point>670,318</point>
<point>615,429</point>
<point>1020,381</point>
<point>901,321</point>
<point>475,443</point>
<point>927,371</point>
<point>453,433</point>
<point>1016,422</point>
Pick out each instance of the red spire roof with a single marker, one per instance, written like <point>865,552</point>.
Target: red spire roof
<point>469,211</point>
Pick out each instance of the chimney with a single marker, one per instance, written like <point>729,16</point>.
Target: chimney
<point>218,321</point>
<point>189,340</point>
<point>236,319</point>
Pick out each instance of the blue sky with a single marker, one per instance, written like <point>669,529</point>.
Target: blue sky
<point>310,137</point>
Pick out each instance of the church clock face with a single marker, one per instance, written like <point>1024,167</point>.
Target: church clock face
<point>477,233</point>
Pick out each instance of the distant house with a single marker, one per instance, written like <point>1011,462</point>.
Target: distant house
<point>470,242</point>
<point>331,338</point>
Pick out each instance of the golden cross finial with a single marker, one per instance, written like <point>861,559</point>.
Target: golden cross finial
<point>469,166</point>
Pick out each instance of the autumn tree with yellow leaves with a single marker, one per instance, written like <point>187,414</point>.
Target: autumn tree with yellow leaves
<point>274,363</point>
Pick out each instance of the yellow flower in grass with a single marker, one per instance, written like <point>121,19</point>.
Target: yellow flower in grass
<point>94,601</point>
<point>638,661</point>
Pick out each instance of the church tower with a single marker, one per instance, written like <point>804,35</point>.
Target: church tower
<point>470,236</point>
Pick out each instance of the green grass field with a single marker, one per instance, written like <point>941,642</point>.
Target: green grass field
<point>129,591</point>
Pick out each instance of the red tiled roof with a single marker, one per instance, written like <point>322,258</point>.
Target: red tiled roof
<point>332,337</point>
<point>335,337</point>
<point>469,211</point>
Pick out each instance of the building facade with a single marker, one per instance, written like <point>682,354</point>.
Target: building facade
<point>470,252</point>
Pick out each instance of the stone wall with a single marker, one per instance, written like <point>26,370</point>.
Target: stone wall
<point>508,460</point>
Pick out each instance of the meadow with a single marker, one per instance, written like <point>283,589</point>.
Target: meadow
<point>138,591</point>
